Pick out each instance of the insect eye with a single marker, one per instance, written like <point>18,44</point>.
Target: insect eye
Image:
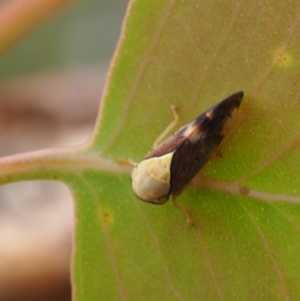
<point>159,201</point>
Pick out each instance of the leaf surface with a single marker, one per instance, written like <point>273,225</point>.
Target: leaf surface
<point>245,244</point>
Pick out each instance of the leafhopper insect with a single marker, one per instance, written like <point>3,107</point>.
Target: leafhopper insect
<point>171,165</point>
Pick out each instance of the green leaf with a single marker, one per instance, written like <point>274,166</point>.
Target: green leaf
<point>245,244</point>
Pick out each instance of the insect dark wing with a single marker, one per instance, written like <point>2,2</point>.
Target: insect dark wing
<point>197,147</point>
<point>167,146</point>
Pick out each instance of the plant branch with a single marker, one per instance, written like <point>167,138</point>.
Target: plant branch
<point>50,164</point>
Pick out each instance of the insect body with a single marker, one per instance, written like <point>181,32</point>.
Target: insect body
<point>169,167</point>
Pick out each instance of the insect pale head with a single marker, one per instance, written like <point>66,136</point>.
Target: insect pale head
<point>151,179</point>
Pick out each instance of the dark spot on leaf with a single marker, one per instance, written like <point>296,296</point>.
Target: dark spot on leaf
<point>244,190</point>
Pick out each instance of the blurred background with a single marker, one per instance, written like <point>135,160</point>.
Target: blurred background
<point>50,87</point>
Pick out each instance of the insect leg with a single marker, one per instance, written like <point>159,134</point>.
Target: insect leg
<point>127,162</point>
<point>168,129</point>
<point>189,220</point>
